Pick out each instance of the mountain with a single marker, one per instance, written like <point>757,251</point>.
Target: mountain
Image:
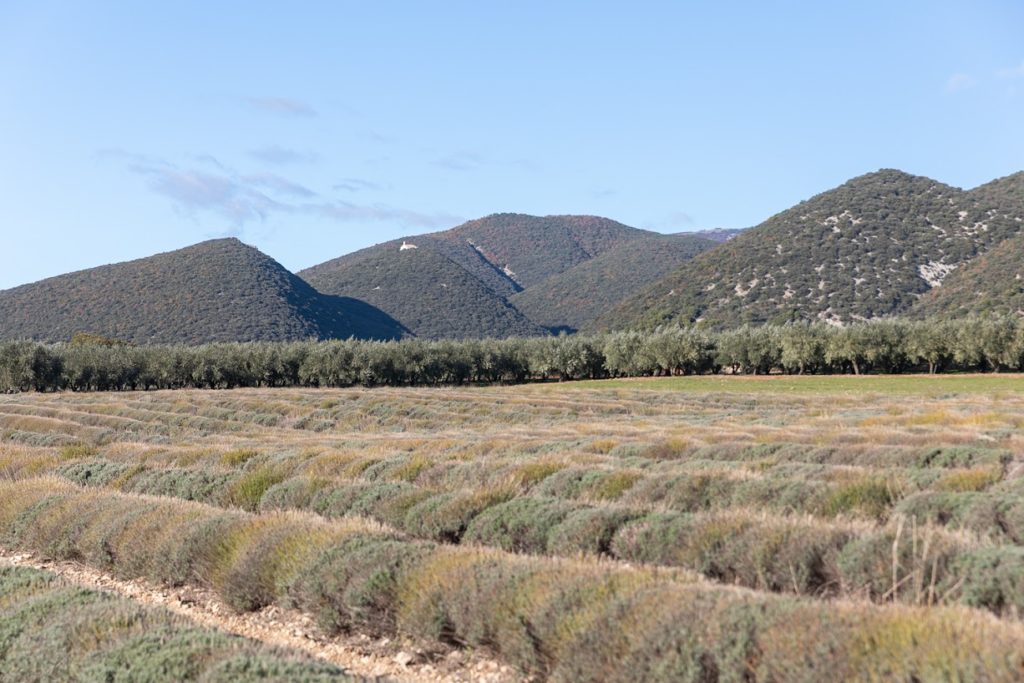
<point>991,283</point>
<point>868,248</point>
<point>430,294</point>
<point>530,249</point>
<point>1002,196</point>
<point>459,282</point>
<point>580,295</point>
<point>220,290</point>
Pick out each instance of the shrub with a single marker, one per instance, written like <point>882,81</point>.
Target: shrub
<point>520,525</point>
<point>238,456</point>
<point>613,485</point>
<point>975,479</point>
<point>75,451</point>
<point>355,585</point>
<point>868,497</point>
<point>988,578</point>
<point>51,631</point>
<point>445,517</point>
<point>247,490</point>
<point>587,530</point>
<point>269,556</point>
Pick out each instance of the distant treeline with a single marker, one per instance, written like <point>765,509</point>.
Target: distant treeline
<point>886,346</point>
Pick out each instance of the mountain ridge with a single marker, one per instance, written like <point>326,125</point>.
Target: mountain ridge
<point>217,290</point>
<point>865,249</point>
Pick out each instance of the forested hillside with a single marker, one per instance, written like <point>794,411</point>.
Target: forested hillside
<point>882,244</point>
<point>580,295</point>
<point>461,282</point>
<point>220,290</point>
<point>990,284</point>
<point>428,293</point>
<point>993,283</point>
<point>866,249</point>
<point>534,248</point>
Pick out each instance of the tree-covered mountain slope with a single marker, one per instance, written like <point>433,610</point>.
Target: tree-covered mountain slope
<point>530,249</point>
<point>459,282</point>
<point>424,290</point>
<point>220,290</point>
<point>993,283</point>
<point>507,252</point>
<point>580,295</point>
<point>868,248</point>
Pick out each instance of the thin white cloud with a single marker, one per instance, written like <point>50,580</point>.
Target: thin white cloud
<point>460,161</point>
<point>958,82</point>
<point>277,184</point>
<point>276,154</point>
<point>242,198</point>
<point>281,105</point>
<point>355,185</point>
<point>193,191</point>
<point>1012,72</point>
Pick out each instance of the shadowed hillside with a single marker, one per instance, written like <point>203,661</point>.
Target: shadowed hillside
<point>507,252</point>
<point>425,291</point>
<point>220,290</point>
<point>459,282</point>
<point>868,248</point>
<point>582,294</point>
<point>993,282</point>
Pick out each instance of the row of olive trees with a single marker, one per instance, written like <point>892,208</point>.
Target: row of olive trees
<point>889,346</point>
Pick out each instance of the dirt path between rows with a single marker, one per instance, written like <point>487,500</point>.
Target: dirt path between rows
<point>384,659</point>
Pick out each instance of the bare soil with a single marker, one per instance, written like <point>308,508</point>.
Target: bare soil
<point>360,655</point>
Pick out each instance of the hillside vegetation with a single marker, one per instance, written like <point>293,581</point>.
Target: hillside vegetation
<point>577,297</point>
<point>866,249</point>
<point>428,293</point>
<point>535,248</point>
<point>990,284</point>
<point>993,283</point>
<point>220,290</point>
<point>883,244</point>
<point>460,282</point>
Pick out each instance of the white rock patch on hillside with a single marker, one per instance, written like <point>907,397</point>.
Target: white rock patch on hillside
<point>934,272</point>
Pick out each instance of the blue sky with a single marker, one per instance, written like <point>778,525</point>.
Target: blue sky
<point>313,129</point>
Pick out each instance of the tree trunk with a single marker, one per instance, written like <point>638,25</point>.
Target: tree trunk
<point>856,368</point>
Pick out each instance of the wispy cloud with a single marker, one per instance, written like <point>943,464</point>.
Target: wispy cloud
<point>192,191</point>
<point>471,161</point>
<point>281,105</point>
<point>1012,72</point>
<point>460,161</point>
<point>277,184</point>
<point>276,154</point>
<point>355,185</point>
<point>958,82</point>
<point>243,198</point>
